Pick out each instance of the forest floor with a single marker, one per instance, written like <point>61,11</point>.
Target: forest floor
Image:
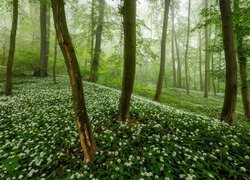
<point>38,137</point>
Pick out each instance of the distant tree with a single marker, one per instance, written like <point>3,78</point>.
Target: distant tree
<point>186,52</point>
<point>242,31</point>
<point>200,62</point>
<point>129,24</point>
<point>96,58</point>
<point>229,105</point>
<point>163,52</point>
<point>172,45</point>
<point>85,133</point>
<point>178,61</point>
<point>9,72</point>
<point>45,34</point>
<point>206,88</point>
<point>54,62</point>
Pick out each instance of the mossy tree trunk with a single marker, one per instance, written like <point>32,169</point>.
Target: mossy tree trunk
<point>129,16</point>
<point>230,97</point>
<point>163,52</point>
<point>98,41</point>
<point>9,70</point>
<point>85,133</point>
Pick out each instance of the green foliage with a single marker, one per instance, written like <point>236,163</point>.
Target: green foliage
<point>159,142</point>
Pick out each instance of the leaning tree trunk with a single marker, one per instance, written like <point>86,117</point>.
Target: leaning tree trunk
<point>230,97</point>
<point>95,61</point>
<point>163,52</point>
<point>86,137</point>
<point>186,52</point>
<point>9,71</point>
<point>243,65</point>
<point>172,46</point>
<point>129,16</point>
<point>206,88</point>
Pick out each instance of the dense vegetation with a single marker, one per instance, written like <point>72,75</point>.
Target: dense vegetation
<point>39,137</point>
<point>124,89</point>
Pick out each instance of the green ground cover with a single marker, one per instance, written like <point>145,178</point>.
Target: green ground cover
<point>38,138</point>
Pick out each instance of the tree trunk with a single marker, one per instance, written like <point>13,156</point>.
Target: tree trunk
<point>218,79</point>
<point>187,45</point>
<point>206,58</point>
<point>129,16</point>
<point>92,32</point>
<point>200,62</point>
<point>44,44</point>
<point>172,46</point>
<point>86,137</point>
<point>178,62</point>
<point>4,58</point>
<point>229,106</point>
<point>54,63</point>
<point>242,64</point>
<point>9,70</point>
<point>212,69</point>
<point>163,52</point>
<point>95,61</point>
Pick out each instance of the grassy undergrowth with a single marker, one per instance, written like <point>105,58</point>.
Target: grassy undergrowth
<point>194,103</point>
<point>38,138</point>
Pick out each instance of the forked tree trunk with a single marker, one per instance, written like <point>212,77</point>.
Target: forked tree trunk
<point>54,63</point>
<point>243,65</point>
<point>172,46</point>
<point>229,105</point>
<point>86,137</point>
<point>186,52</point>
<point>95,61</point>
<point>9,70</point>
<point>129,16</point>
<point>163,52</point>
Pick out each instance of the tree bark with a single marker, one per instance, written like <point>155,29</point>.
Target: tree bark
<point>44,44</point>
<point>163,52</point>
<point>212,58</point>
<point>9,70</point>
<point>229,105</point>
<point>129,16</point>
<point>86,137</point>
<point>54,63</point>
<point>200,62</point>
<point>206,88</point>
<point>92,31</point>
<point>186,52</point>
<point>178,62</point>
<point>95,61</point>
<point>172,46</point>
<point>242,60</point>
